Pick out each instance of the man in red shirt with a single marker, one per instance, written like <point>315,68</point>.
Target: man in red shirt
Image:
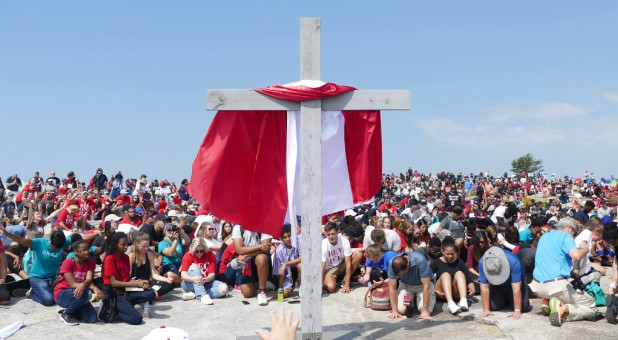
<point>123,198</point>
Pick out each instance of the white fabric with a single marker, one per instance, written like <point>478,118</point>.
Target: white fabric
<point>250,238</point>
<point>10,329</point>
<point>332,255</point>
<point>393,241</point>
<point>585,235</point>
<point>292,160</point>
<point>336,189</point>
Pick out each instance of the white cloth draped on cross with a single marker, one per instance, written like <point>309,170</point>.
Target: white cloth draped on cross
<point>247,169</point>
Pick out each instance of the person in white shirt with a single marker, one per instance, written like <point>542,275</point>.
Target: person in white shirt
<point>337,259</point>
<point>257,246</point>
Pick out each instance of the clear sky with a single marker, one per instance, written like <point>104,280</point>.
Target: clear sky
<point>121,84</point>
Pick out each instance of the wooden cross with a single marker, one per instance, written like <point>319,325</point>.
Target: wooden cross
<point>311,151</point>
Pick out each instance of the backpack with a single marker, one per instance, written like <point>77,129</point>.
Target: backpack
<point>377,297</point>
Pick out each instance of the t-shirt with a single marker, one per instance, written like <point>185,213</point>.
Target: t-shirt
<point>525,236</point>
<point>79,273</point>
<point>334,254</point>
<point>117,265</point>
<point>456,228</point>
<point>393,241</point>
<point>206,264</point>
<point>552,258</point>
<point>439,267</point>
<point>383,263</point>
<point>517,273</point>
<point>585,235</point>
<point>46,260</point>
<point>171,259</point>
<point>66,218</point>
<point>250,238</point>
<point>284,254</point>
<point>150,230</point>
<point>419,268</point>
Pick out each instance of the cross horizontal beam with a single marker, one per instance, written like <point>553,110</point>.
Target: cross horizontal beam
<point>353,100</point>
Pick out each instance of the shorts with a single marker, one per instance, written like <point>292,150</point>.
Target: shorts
<point>337,270</point>
<point>170,267</point>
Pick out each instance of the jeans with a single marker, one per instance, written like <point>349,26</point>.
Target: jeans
<point>125,305</point>
<point>211,288</point>
<point>80,307</point>
<point>42,291</point>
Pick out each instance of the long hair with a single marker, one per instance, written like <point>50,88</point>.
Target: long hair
<point>139,237</point>
<point>478,250</point>
<point>114,240</point>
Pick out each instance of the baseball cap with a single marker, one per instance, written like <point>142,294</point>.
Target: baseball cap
<point>169,227</point>
<point>112,217</point>
<point>124,191</point>
<point>350,212</point>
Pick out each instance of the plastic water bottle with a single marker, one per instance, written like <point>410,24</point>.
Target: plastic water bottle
<point>280,295</point>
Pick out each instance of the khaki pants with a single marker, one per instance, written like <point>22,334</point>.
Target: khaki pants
<point>581,306</point>
<point>416,292</point>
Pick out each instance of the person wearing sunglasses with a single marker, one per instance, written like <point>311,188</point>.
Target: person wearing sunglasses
<point>198,274</point>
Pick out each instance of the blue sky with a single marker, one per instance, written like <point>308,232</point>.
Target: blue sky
<point>121,84</point>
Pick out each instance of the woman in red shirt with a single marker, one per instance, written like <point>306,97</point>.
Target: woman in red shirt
<point>198,274</point>
<point>72,291</point>
<point>117,280</point>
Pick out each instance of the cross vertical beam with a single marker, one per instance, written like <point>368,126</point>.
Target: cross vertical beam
<point>311,185</point>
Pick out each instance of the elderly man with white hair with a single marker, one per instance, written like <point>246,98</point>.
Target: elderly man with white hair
<point>555,252</point>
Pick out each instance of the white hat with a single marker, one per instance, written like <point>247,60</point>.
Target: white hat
<point>350,212</point>
<point>202,218</point>
<point>167,333</point>
<point>112,217</point>
<point>172,213</point>
<point>124,191</point>
<point>496,266</point>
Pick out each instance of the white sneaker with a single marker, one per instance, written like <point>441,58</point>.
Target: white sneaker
<point>453,308</point>
<point>188,296</point>
<point>262,300</point>
<point>269,286</point>
<point>206,299</point>
<point>463,304</point>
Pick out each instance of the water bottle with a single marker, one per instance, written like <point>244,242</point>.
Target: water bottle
<point>280,295</point>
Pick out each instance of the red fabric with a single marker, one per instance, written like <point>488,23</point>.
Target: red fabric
<point>79,274</point>
<point>363,148</point>
<point>207,263</point>
<point>66,218</point>
<point>226,258</point>
<point>243,155</point>
<point>117,265</point>
<point>123,199</point>
<point>304,93</point>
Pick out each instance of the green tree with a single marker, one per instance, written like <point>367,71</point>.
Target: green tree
<point>526,163</point>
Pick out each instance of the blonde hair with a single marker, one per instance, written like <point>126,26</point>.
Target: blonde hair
<point>374,250</point>
<point>139,237</point>
<point>198,241</point>
<point>201,230</point>
<point>73,207</point>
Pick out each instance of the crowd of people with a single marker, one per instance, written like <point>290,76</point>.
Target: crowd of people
<point>426,237</point>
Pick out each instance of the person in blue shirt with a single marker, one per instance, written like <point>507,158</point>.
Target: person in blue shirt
<point>528,235</point>
<point>552,267</point>
<point>503,280</point>
<point>416,281</point>
<point>376,266</point>
<point>47,255</point>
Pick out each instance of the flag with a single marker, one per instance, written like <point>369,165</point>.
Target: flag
<point>247,169</point>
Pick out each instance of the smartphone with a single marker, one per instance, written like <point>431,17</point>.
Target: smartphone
<point>245,302</point>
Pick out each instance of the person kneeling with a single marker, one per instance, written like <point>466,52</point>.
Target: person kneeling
<point>416,283</point>
<point>502,283</point>
<point>198,274</point>
<point>338,260</point>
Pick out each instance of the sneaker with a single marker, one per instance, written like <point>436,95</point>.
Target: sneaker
<point>453,307</point>
<point>270,286</point>
<point>146,312</point>
<point>612,309</point>
<point>68,319</point>
<point>545,307</point>
<point>188,296</point>
<point>207,300</point>
<point>237,287</point>
<point>463,304</point>
<point>19,292</point>
<point>556,311</point>
<point>262,300</point>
